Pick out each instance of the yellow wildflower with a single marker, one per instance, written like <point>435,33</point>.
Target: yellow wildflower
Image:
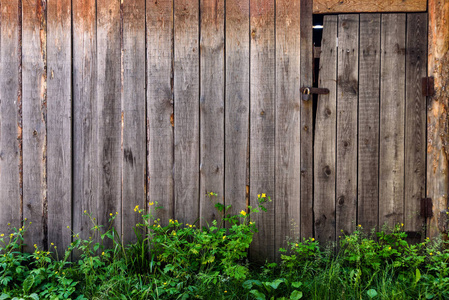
<point>25,219</point>
<point>243,213</point>
<point>360,225</point>
<point>102,253</point>
<point>85,211</point>
<point>258,195</point>
<point>116,213</point>
<point>165,283</point>
<point>296,245</point>
<point>389,248</point>
<point>225,291</point>
<point>136,208</point>
<point>52,244</point>
<point>37,257</point>
<point>174,232</point>
<point>312,239</point>
<point>9,224</point>
<point>35,246</point>
<point>263,195</point>
<point>402,224</point>
<point>2,235</point>
<point>251,223</point>
<point>190,226</point>
<point>430,253</point>
<point>110,214</point>
<point>20,229</point>
<point>224,237</point>
<point>151,203</point>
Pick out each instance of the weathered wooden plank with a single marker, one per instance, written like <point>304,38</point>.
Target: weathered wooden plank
<point>306,156</point>
<point>437,116</point>
<point>133,116</point>
<point>10,117</point>
<point>326,136</point>
<point>186,117</point>
<point>359,6</point>
<point>288,101</point>
<point>211,107</point>
<point>368,153</point>
<point>237,104</point>
<point>108,132</point>
<point>84,112</point>
<point>34,87</point>
<point>160,106</point>
<point>347,110</point>
<point>59,129</point>
<point>262,120</point>
<point>415,121</point>
<point>392,117</point>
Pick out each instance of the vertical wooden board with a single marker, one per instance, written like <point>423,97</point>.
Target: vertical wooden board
<point>306,130</point>
<point>211,107</point>
<point>10,117</point>
<point>186,116</point>
<point>415,121</point>
<point>368,151</point>
<point>59,132</point>
<point>287,116</point>
<point>34,89</point>
<point>262,120</point>
<point>84,112</point>
<point>326,136</point>
<point>237,104</point>
<point>108,132</point>
<point>160,112</point>
<point>133,116</point>
<point>392,115</point>
<point>347,110</point>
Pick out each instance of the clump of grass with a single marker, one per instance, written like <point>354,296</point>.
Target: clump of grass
<point>182,261</point>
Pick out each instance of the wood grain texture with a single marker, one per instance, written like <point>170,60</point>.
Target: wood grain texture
<point>186,116</point>
<point>237,105</point>
<point>326,136</point>
<point>368,150</point>
<point>415,121</point>
<point>34,87</point>
<point>212,103</point>
<point>160,103</point>
<point>262,120</point>
<point>306,54</point>
<point>392,120</point>
<point>59,129</point>
<point>437,113</point>
<point>10,117</point>
<point>347,115</point>
<point>108,132</point>
<point>84,65</point>
<point>363,6</point>
<point>133,116</point>
<point>288,101</point>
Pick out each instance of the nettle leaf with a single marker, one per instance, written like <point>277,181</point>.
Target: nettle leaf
<point>258,295</point>
<point>28,283</point>
<point>418,276</point>
<point>250,283</point>
<point>296,284</point>
<point>275,284</point>
<point>34,296</point>
<point>296,295</point>
<point>372,293</point>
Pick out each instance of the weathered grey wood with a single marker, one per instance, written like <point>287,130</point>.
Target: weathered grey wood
<point>415,121</point>
<point>59,126</point>
<point>10,117</point>
<point>34,88</point>
<point>288,103</point>
<point>326,136</point>
<point>186,116</point>
<point>306,156</point>
<point>133,116</point>
<point>262,120</point>
<point>108,132</point>
<point>392,115</point>
<point>160,106</point>
<point>237,105</point>
<point>347,109</point>
<point>211,107</point>
<point>84,112</point>
<point>368,153</point>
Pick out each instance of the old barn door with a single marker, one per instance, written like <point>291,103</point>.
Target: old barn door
<point>370,133</point>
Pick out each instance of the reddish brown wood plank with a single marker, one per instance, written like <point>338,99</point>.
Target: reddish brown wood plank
<point>359,6</point>
<point>133,116</point>
<point>160,106</point>
<point>10,117</point>
<point>34,87</point>
<point>59,130</point>
<point>237,105</point>
<point>262,120</point>
<point>211,107</point>
<point>326,136</point>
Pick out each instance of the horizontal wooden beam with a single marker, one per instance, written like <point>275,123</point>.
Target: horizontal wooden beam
<point>361,6</point>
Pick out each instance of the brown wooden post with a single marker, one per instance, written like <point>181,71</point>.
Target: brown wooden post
<point>437,119</point>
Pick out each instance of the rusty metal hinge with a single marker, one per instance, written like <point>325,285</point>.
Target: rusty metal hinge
<point>426,208</point>
<point>428,86</point>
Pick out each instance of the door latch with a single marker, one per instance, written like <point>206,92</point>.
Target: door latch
<point>307,91</point>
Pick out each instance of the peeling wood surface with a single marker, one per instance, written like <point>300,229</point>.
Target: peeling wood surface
<point>212,103</point>
<point>364,6</point>
<point>437,112</point>
<point>59,125</point>
<point>10,116</point>
<point>34,101</point>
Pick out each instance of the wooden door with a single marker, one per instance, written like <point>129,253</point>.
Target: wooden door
<point>370,133</point>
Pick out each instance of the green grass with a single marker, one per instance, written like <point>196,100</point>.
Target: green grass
<point>181,261</point>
